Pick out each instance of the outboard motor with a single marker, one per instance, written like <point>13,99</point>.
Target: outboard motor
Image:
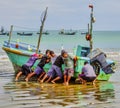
<point>98,60</point>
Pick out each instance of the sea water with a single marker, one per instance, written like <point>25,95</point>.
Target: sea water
<point>104,94</point>
<point>54,41</point>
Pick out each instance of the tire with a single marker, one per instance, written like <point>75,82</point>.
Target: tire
<point>96,66</point>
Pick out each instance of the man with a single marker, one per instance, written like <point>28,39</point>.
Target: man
<point>26,68</point>
<point>88,73</point>
<point>53,58</point>
<point>70,64</point>
<point>39,69</point>
<point>56,68</point>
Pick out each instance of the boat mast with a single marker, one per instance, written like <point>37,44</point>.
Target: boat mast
<point>41,29</point>
<point>91,26</point>
<point>10,34</point>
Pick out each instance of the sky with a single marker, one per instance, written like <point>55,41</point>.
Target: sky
<point>67,14</point>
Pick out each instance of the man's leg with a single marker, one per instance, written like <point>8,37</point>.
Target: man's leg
<point>57,78</point>
<point>29,76</point>
<point>49,74</point>
<point>68,79</point>
<point>41,81</point>
<point>65,79</point>
<point>70,74</point>
<point>49,79</point>
<point>81,78</point>
<point>41,75</point>
<point>65,76</point>
<point>59,74</point>
<point>18,75</point>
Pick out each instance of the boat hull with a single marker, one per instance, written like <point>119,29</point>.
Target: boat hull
<point>18,58</point>
<point>73,33</point>
<point>25,34</point>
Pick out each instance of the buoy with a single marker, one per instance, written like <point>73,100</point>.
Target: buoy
<point>16,46</point>
<point>88,37</point>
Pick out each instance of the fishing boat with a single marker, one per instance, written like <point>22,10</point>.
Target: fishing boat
<point>62,32</point>
<point>24,34</point>
<point>2,31</point>
<point>44,33</point>
<point>19,54</point>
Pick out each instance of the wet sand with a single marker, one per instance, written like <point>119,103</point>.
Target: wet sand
<point>35,95</point>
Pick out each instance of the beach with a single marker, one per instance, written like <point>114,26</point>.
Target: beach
<point>104,94</point>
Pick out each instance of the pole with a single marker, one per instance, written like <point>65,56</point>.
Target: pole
<point>88,28</point>
<point>41,29</point>
<point>10,34</point>
<point>91,27</point>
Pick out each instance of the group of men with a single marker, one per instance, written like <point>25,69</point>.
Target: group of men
<point>55,72</point>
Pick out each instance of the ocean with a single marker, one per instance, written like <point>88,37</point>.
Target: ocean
<point>54,41</point>
<point>105,94</point>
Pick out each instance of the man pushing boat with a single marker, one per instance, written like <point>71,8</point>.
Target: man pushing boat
<point>39,69</point>
<point>88,73</point>
<point>26,68</point>
<point>56,68</point>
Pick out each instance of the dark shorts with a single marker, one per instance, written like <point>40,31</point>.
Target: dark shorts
<point>39,70</point>
<point>54,70</point>
<point>88,79</point>
<point>69,71</point>
<point>51,73</point>
<point>25,69</point>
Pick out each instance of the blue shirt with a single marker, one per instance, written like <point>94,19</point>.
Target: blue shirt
<point>88,71</point>
<point>53,59</point>
<point>31,61</point>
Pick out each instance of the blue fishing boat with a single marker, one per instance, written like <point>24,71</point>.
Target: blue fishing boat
<point>19,53</point>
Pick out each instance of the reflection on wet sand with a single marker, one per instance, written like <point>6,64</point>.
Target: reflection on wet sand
<point>29,95</point>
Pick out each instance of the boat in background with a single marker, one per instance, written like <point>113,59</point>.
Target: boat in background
<point>24,34</point>
<point>44,33</point>
<point>19,54</point>
<point>62,32</point>
<point>2,31</point>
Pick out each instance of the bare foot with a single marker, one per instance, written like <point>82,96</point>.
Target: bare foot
<point>16,80</point>
<point>84,82</point>
<point>52,82</point>
<point>67,83</point>
<point>26,79</point>
<point>38,80</point>
<point>41,81</point>
<point>46,81</point>
<point>64,83</point>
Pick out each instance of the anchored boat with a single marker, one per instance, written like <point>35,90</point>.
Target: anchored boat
<point>2,31</point>
<point>19,53</point>
<point>24,34</point>
<point>44,33</point>
<point>62,32</point>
